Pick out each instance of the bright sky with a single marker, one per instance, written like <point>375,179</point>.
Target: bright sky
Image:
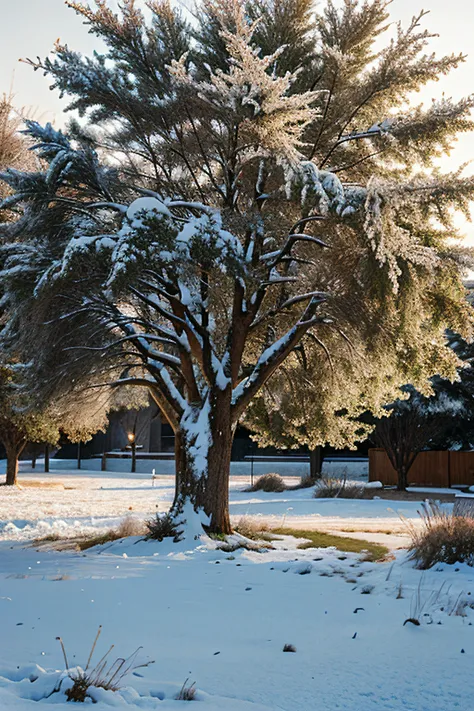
<point>30,27</point>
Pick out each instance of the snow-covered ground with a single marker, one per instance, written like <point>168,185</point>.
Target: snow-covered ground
<point>355,469</point>
<point>222,619</point>
<point>76,502</point>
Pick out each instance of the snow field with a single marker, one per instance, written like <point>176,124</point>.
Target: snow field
<point>222,620</point>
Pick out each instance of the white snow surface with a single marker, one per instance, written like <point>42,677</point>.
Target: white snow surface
<point>221,619</point>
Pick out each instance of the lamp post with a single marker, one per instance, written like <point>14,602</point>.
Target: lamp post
<point>133,447</point>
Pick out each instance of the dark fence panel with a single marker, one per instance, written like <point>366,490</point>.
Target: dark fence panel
<point>461,465</point>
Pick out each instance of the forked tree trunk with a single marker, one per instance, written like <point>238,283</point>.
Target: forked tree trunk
<point>207,488</point>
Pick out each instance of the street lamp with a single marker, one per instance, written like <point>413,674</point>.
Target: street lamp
<point>133,447</point>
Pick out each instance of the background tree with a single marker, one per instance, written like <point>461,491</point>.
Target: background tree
<point>202,287</point>
<point>413,425</point>
<point>17,428</point>
<point>444,420</point>
<point>318,395</point>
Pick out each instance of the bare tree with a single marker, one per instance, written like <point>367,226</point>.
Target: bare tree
<point>411,425</point>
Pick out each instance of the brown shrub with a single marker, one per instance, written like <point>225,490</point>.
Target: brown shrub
<point>270,483</point>
<point>130,526</point>
<point>442,538</point>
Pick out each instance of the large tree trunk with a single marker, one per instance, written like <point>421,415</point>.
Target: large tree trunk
<point>217,489</point>
<point>13,449</point>
<point>315,462</point>
<point>12,466</point>
<point>202,476</point>
<point>402,479</point>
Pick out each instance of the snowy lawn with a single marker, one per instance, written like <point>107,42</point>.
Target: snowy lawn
<point>222,620</point>
<point>86,502</point>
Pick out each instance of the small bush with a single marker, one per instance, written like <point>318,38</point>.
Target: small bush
<point>442,538</point>
<point>269,483</point>
<point>329,488</point>
<point>162,526</point>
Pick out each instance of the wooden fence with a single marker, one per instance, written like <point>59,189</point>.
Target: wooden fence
<point>438,469</point>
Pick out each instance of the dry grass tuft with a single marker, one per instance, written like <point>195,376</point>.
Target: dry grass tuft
<point>129,526</point>
<point>329,488</point>
<point>104,675</point>
<point>254,529</point>
<point>187,692</point>
<point>269,483</point>
<point>442,538</point>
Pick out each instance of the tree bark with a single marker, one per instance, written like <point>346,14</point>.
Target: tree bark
<point>315,462</point>
<point>207,489</point>
<point>13,450</point>
<point>12,467</point>
<point>402,479</point>
<point>217,490</point>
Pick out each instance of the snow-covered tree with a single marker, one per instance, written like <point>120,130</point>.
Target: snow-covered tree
<point>195,264</point>
<point>318,394</point>
<point>23,421</point>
